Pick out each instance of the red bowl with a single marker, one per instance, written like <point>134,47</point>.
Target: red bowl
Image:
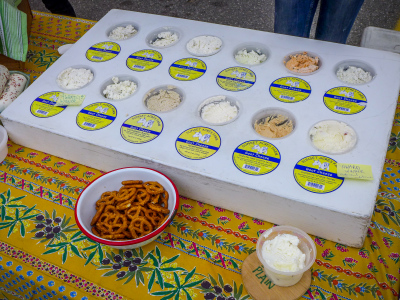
<point>85,207</point>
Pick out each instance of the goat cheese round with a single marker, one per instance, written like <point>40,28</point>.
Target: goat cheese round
<point>353,75</point>
<point>71,78</point>
<point>204,45</point>
<point>250,58</point>
<point>333,136</point>
<point>119,90</point>
<point>122,33</point>
<point>164,39</point>
<point>282,253</point>
<point>218,110</point>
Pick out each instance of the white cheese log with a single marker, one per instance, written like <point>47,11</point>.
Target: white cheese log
<point>13,89</point>
<point>4,76</point>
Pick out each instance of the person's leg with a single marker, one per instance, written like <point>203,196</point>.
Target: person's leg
<point>60,7</point>
<point>294,17</point>
<point>336,18</point>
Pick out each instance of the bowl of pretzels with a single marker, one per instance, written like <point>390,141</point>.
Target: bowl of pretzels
<point>127,208</point>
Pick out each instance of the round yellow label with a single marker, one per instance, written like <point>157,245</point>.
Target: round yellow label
<point>290,89</point>
<point>144,60</point>
<point>96,116</point>
<point>236,79</point>
<point>103,51</point>
<point>43,106</point>
<point>256,157</point>
<point>345,100</point>
<point>187,69</point>
<point>141,128</point>
<point>198,143</point>
<point>317,174</point>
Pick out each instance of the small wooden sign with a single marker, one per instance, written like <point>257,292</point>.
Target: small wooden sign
<point>260,287</point>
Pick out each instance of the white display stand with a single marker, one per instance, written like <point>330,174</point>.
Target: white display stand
<point>342,215</point>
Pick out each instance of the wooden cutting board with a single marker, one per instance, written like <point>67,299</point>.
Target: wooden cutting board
<point>260,287</point>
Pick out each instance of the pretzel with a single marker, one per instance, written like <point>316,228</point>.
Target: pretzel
<point>133,211</point>
<point>130,182</point>
<point>143,197</point>
<point>158,208</point>
<point>153,187</point>
<point>98,214</point>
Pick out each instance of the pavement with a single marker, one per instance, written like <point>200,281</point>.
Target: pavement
<point>253,14</point>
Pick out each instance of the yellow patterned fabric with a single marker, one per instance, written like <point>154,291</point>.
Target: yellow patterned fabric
<point>44,255</point>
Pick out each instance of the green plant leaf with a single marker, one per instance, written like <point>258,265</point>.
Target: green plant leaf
<point>159,278</point>
<point>170,260</point>
<point>176,277</point>
<point>22,228</point>
<point>52,251</point>
<point>189,275</point>
<point>110,273</point>
<point>131,276</point>
<point>65,254</point>
<point>154,259</point>
<point>151,281</point>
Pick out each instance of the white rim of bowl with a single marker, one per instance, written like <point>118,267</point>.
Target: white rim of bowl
<point>133,241</point>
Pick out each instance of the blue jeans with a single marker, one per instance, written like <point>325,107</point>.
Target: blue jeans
<point>336,17</point>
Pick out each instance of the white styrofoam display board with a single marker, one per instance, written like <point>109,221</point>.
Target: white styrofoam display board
<point>342,215</point>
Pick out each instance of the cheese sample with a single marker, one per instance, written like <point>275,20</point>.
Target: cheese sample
<point>119,90</point>
<point>274,126</point>
<point>71,79</point>
<point>353,75</point>
<point>163,100</point>
<point>218,110</point>
<point>122,33</point>
<point>204,45</point>
<point>302,63</point>
<point>164,39</point>
<point>283,254</point>
<point>333,136</point>
<point>250,58</point>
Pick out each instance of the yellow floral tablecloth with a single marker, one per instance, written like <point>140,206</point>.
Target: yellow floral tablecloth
<point>43,254</point>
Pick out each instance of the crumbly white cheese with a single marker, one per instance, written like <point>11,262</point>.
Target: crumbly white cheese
<point>164,39</point>
<point>333,136</point>
<point>122,33</point>
<point>250,58</point>
<point>354,75</point>
<point>282,253</point>
<point>218,110</point>
<point>119,90</point>
<point>70,78</point>
<point>163,100</point>
<point>204,45</point>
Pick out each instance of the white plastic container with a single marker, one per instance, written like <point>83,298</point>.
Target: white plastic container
<point>306,246</point>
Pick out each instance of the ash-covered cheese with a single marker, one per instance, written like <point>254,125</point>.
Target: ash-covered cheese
<point>164,39</point>
<point>354,75</point>
<point>218,110</point>
<point>122,33</point>
<point>250,58</point>
<point>204,45</point>
<point>71,78</point>
<point>119,90</point>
